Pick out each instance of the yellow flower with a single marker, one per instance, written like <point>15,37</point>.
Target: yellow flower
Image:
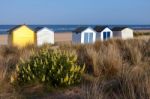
<point>72,75</point>
<point>35,64</point>
<point>53,67</point>
<point>66,79</point>
<point>29,78</point>
<point>78,68</point>
<point>43,79</point>
<point>41,61</point>
<point>74,58</point>
<point>46,61</point>
<point>58,72</point>
<point>29,67</point>
<point>69,82</point>
<point>61,68</point>
<point>72,68</point>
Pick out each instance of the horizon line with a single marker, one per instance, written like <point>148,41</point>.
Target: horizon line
<point>76,24</point>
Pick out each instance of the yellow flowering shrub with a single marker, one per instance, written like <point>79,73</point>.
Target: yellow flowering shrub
<point>53,67</point>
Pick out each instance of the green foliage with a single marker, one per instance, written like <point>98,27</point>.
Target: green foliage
<point>53,67</point>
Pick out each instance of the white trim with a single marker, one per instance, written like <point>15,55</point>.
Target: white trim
<point>106,30</point>
<point>88,30</point>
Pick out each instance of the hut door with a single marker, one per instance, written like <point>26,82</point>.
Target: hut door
<point>88,38</point>
<point>106,35</point>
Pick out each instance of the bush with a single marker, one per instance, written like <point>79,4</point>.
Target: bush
<point>53,67</point>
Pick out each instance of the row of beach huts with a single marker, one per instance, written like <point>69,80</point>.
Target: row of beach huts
<point>22,35</point>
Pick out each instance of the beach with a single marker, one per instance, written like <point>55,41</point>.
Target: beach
<point>63,37</point>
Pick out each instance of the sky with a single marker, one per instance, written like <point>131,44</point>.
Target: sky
<point>77,12</point>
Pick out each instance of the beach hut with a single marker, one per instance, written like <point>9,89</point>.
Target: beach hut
<point>122,32</point>
<point>103,33</point>
<point>44,35</point>
<point>21,35</point>
<point>84,35</point>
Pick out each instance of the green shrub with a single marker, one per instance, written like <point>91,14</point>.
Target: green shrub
<point>53,67</point>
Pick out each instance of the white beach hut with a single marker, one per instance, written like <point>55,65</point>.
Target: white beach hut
<point>44,35</point>
<point>103,33</point>
<point>122,32</point>
<point>84,35</point>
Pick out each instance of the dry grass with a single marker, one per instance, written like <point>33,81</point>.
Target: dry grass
<point>115,69</point>
<point>137,34</point>
<point>123,70</point>
<point>9,57</point>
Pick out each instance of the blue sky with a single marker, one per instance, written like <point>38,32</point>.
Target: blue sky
<point>75,12</point>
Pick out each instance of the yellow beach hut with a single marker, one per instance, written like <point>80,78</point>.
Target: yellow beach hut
<point>21,35</point>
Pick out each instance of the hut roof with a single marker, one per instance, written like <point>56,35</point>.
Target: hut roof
<point>99,28</point>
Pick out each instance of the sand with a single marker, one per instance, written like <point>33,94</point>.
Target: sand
<point>3,39</point>
<point>63,37</point>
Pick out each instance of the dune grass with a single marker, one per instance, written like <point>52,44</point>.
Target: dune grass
<point>115,69</point>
